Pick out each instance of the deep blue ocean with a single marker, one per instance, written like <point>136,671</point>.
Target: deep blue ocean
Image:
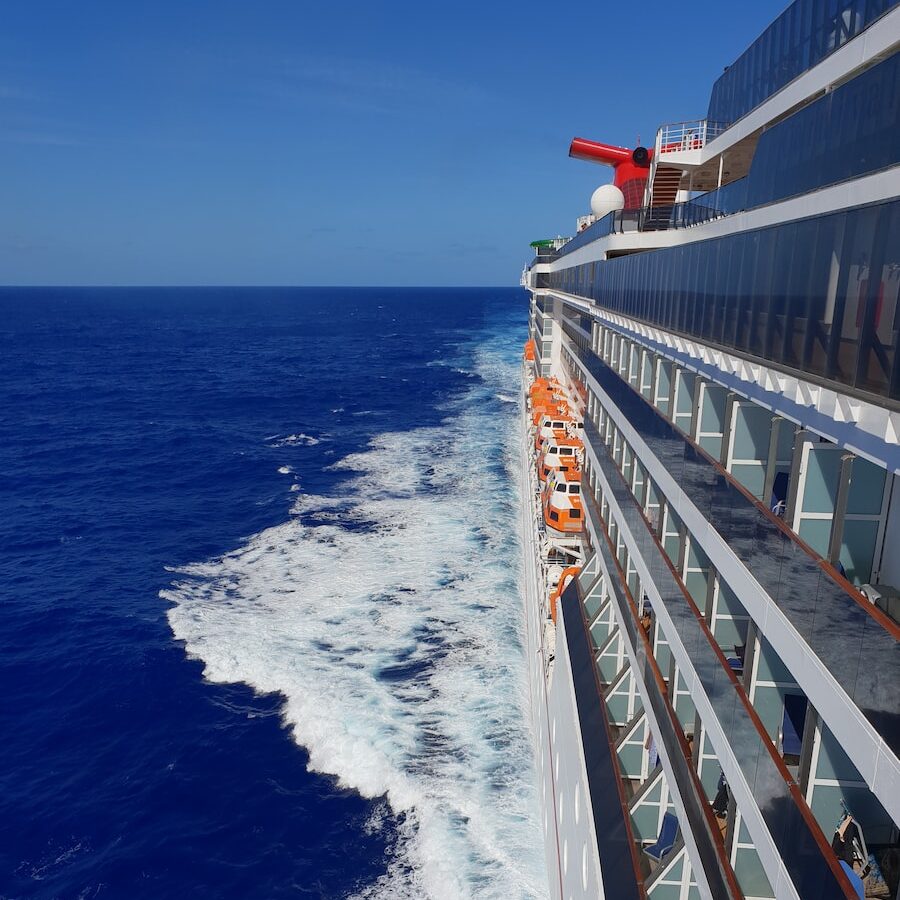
<point>259,612</point>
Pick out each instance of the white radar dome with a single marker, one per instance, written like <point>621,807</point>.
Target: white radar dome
<point>605,199</point>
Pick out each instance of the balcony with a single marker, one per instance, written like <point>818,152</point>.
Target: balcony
<point>681,137</point>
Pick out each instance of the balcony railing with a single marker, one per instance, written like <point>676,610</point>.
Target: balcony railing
<point>616,222</point>
<point>681,136</point>
<point>724,201</point>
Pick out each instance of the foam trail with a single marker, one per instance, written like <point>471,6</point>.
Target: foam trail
<point>388,616</point>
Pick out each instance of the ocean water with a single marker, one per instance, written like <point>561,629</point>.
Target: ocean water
<point>259,603</point>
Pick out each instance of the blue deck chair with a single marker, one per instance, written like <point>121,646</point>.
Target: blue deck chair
<point>666,840</point>
<point>792,723</point>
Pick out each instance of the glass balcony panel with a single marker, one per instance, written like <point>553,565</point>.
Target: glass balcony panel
<point>838,627</point>
<point>797,843</point>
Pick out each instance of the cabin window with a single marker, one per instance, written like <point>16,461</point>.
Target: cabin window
<point>574,489</point>
<point>561,488</point>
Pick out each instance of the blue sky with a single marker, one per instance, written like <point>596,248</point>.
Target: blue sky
<point>296,142</point>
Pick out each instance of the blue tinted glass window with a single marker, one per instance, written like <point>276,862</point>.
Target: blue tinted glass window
<point>818,295</point>
<point>803,35</point>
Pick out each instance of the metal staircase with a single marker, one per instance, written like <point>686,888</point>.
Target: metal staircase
<point>663,190</point>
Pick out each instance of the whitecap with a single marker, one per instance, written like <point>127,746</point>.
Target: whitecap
<point>293,440</point>
<point>388,616</point>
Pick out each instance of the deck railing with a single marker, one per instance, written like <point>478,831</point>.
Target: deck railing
<point>680,136</point>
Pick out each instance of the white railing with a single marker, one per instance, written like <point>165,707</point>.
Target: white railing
<point>680,136</point>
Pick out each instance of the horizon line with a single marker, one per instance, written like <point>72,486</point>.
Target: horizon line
<point>449,287</point>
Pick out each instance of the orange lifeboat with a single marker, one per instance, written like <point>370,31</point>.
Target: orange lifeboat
<point>544,389</point>
<point>529,349</point>
<point>552,425</point>
<point>544,383</point>
<point>556,454</point>
<point>561,502</point>
<point>554,407</point>
<point>564,579</point>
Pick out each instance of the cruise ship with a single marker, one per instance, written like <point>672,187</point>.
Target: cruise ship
<point>710,459</point>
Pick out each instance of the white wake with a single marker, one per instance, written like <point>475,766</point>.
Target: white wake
<point>389,617</point>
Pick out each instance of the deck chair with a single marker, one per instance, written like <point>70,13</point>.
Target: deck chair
<point>667,833</point>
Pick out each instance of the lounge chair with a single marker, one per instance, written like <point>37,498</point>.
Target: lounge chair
<point>667,833</point>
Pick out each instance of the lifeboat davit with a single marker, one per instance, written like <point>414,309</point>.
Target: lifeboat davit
<point>564,579</point>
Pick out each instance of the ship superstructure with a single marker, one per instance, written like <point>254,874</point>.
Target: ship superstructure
<point>716,677</point>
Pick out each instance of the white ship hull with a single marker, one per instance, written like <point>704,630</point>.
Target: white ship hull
<point>570,845</point>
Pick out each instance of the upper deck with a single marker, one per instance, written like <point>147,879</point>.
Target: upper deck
<point>791,259</point>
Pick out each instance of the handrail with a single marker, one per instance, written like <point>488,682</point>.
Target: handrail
<point>724,201</point>
<point>694,619</point>
<point>591,707</point>
<point>677,137</point>
<point>707,837</point>
<point>615,222</point>
<point>852,592</point>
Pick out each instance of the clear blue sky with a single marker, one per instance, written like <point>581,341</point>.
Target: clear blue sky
<point>299,142</point>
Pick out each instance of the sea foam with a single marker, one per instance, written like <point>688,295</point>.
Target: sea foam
<point>293,440</point>
<point>388,616</point>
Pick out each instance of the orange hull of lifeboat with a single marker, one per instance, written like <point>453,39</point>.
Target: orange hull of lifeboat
<point>544,384</point>
<point>566,463</point>
<point>561,501</point>
<point>529,349</point>
<point>552,425</point>
<point>550,461</point>
<point>568,519</point>
<point>560,409</point>
<point>545,390</point>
